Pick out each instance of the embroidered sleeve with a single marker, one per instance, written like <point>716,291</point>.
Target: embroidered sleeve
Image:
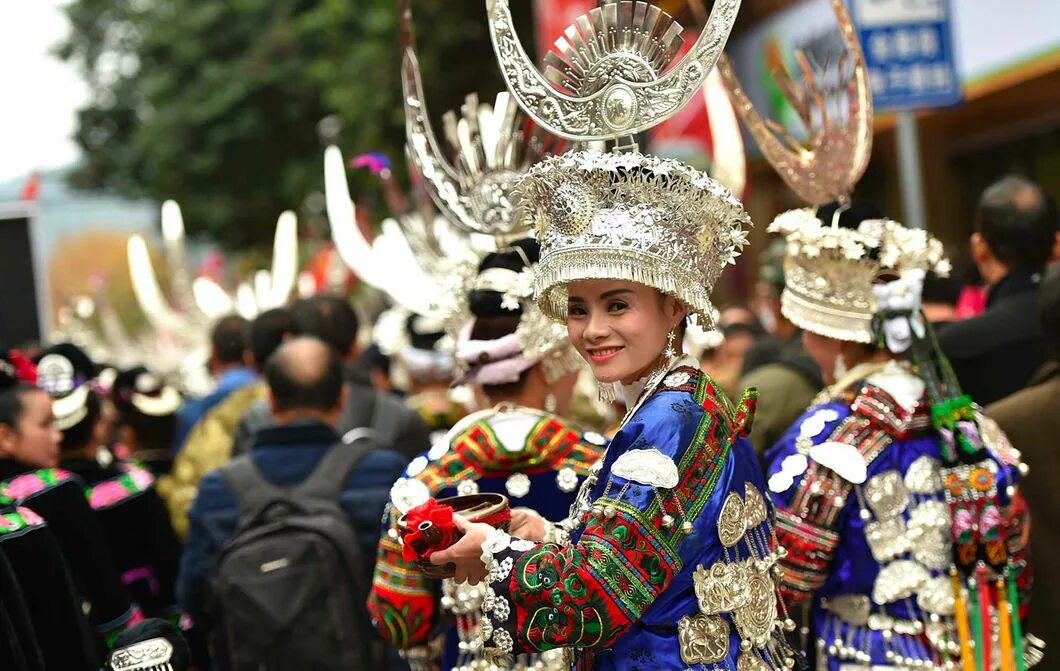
<point>402,600</point>
<point>809,495</point>
<point>638,530</point>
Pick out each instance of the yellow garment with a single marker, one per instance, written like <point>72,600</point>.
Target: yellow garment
<point>208,447</point>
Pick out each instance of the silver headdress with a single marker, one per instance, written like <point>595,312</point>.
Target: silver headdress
<point>624,215</point>
<point>493,147</point>
<point>832,274</point>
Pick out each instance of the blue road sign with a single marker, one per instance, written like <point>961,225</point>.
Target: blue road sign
<point>909,51</point>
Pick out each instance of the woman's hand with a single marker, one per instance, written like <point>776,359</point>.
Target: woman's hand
<point>528,525</point>
<point>466,553</point>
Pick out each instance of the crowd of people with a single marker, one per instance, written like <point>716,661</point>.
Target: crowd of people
<point>553,451</point>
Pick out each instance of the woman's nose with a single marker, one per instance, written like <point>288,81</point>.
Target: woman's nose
<point>597,327</point>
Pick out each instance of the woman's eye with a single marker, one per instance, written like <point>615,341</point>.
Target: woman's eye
<point>575,311</point>
<point>617,306</point>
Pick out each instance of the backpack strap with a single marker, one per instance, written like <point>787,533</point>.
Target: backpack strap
<point>329,478</point>
<point>253,493</point>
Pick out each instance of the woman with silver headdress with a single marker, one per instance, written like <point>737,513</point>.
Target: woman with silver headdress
<point>666,557</point>
<point>897,501</point>
<point>521,364</point>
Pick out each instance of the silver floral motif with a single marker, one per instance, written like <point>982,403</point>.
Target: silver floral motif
<point>732,521</point>
<point>887,538</point>
<point>676,379</point>
<point>936,596</point>
<point>407,493</point>
<point>567,480</point>
<point>754,509</point>
<point>813,425</point>
<point>647,467</point>
<point>467,488</point>
<point>503,640</point>
<point>886,494</point>
<point>501,570</point>
<point>501,609</point>
<point>521,545</point>
<point>517,485</point>
<point>416,466</point>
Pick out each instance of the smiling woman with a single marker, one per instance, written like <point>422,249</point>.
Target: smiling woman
<point>622,328</point>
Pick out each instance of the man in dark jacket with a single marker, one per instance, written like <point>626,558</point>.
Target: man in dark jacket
<point>1031,420</point>
<point>997,352</point>
<point>306,394</point>
<point>332,320</point>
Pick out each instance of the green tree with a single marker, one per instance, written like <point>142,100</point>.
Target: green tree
<point>215,103</point>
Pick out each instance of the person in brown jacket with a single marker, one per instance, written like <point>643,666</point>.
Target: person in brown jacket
<point>1031,420</point>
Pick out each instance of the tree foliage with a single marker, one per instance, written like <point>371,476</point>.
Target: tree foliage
<point>215,103</point>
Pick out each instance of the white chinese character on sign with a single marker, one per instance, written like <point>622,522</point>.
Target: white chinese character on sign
<point>942,77</point>
<point>880,46</point>
<point>906,44</point>
<point>929,43</point>
<point>919,77</point>
<point>878,81</point>
<point>898,78</point>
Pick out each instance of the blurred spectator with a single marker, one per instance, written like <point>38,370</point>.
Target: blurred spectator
<point>939,298</point>
<point>146,410</point>
<point>210,443</point>
<point>1031,420</point>
<point>786,377</point>
<point>741,329</point>
<point>132,516</point>
<point>229,365</point>
<point>996,353</point>
<point>306,394</point>
<point>333,320</point>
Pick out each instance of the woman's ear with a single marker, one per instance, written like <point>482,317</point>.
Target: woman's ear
<point>8,438</point>
<point>674,310</point>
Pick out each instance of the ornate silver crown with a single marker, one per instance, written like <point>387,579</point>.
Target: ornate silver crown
<point>829,271</point>
<point>623,215</point>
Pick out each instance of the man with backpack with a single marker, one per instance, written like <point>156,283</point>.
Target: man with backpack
<point>281,539</point>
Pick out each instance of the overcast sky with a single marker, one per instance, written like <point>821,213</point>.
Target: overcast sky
<point>38,93</point>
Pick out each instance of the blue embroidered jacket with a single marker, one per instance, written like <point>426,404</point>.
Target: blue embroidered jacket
<point>625,588</point>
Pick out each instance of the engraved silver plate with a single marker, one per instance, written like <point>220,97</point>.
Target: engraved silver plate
<point>924,476</point>
<point>936,596</point>
<point>722,588</point>
<point>732,522</point>
<point>647,467</point>
<point>754,621</point>
<point>155,652</point>
<point>754,506</point>
<point>887,539</point>
<point>704,639</point>
<point>886,494</point>
<point>748,661</point>
<point>898,580</point>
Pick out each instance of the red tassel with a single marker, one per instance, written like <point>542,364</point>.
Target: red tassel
<point>986,627</point>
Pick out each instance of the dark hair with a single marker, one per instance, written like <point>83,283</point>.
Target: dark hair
<point>328,318</point>
<point>267,332</point>
<point>1049,309</point>
<point>11,402</point>
<point>1018,221</point>
<point>421,339</point>
<point>310,380</point>
<point>229,339</point>
<point>487,303</point>
<point>155,432</point>
<point>79,435</point>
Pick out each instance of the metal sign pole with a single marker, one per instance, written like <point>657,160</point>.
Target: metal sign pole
<point>909,173</point>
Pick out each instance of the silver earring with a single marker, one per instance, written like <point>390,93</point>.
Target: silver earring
<point>839,369</point>
<point>671,352</point>
<point>550,403</point>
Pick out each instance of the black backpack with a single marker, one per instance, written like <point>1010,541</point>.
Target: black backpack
<point>290,588</point>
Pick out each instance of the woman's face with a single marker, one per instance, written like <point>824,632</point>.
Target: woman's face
<point>35,441</point>
<point>619,327</point>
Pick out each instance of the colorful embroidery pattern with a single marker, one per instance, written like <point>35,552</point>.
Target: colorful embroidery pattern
<point>23,486</point>
<point>19,519</point>
<point>134,480</point>
<point>402,603</point>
